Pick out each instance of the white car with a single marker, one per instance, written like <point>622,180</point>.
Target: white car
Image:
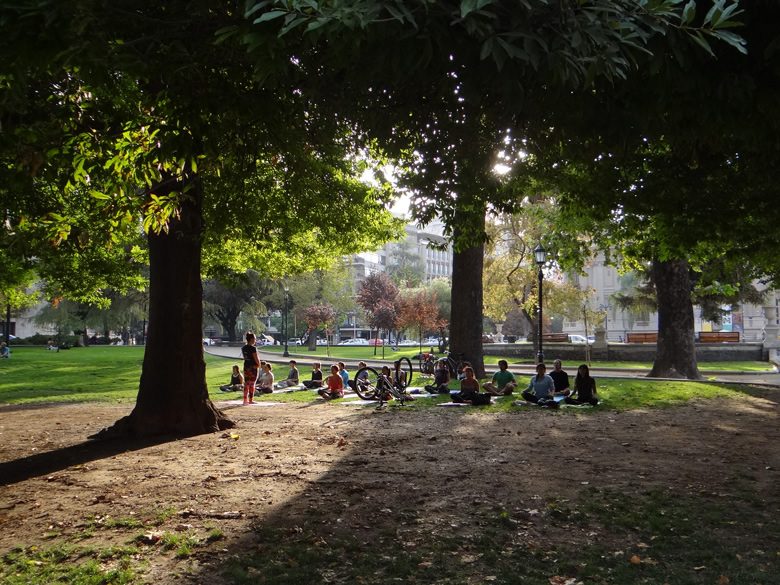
<point>321,341</point>
<point>294,341</point>
<point>580,339</point>
<point>355,341</point>
<point>407,343</point>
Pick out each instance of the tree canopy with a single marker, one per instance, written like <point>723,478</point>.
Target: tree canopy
<point>126,116</point>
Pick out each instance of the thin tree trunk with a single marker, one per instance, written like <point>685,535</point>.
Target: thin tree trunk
<point>676,351</point>
<point>172,395</point>
<point>466,315</point>
<point>312,341</point>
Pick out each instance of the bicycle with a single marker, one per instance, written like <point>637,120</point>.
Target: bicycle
<point>456,366</point>
<point>373,385</point>
<point>427,363</point>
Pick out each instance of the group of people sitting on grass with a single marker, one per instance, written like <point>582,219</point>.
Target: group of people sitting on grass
<point>542,390</point>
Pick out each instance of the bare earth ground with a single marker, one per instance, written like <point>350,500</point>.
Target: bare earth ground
<point>420,473</point>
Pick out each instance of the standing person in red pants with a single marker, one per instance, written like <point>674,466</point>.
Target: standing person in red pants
<point>251,365</point>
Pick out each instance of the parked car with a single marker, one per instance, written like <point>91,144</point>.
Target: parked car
<point>209,341</point>
<point>294,341</point>
<point>580,339</point>
<point>355,341</point>
<point>407,343</point>
<point>376,342</point>
<point>321,341</point>
<point>264,340</point>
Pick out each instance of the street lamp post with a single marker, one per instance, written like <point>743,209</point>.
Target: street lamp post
<point>286,316</point>
<point>540,255</point>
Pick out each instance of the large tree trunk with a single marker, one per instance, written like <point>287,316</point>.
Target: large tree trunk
<point>676,351</point>
<point>466,315</point>
<point>172,395</point>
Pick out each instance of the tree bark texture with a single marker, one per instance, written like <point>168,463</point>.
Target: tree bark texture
<point>466,312</point>
<point>172,395</point>
<point>676,350</point>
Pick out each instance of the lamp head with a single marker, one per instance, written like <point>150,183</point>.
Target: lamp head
<point>540,255</point>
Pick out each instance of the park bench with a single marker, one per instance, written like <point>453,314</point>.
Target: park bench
<point>642,337</point>
<point>719,336</point>
<point>555,337</point>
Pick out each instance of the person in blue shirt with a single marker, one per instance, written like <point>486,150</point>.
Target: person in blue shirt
<point>541,389</point>
<point>344,374</point>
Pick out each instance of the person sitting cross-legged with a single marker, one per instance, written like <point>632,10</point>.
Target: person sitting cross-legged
<point>335,385</point>
<point>293,377</point>
<point>503,382</point>
<point>441,379</point>
<point>561,379</point>
<point>236,381</point>
<point>584,388</point>
<point>541,389</point>
<point>316,377</point>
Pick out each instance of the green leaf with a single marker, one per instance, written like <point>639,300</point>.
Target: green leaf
<point>99,195</point>
<point>256,7</point>
<point>732,39</point>
<point>487,48</point>
<point>702,42</point>
<point>269,16</point>
<point>467,7</point>
<point>689,12</point>
<point>317,24</point>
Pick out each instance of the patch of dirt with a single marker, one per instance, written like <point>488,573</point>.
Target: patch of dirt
<point>353,470</point>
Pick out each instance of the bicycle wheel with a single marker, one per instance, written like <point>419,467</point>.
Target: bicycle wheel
<point>406,367</point>
<point>368,388</point>
<point>462,365</point>
<point>427,366</point>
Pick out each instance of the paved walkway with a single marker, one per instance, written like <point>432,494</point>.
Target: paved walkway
<point>760,378</point>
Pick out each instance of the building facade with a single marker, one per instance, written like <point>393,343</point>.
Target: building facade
<point>749,320</point>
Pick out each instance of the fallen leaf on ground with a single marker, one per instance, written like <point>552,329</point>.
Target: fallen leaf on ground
<point>635,560</point>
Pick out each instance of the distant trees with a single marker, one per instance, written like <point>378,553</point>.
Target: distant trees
<point>420,313</point>
<point>377,294</point>
<point>226,300</point>
<point>406,267</point>
<point>319,315</point>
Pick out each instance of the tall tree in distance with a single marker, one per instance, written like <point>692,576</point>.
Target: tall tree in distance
<point>320,315</point>
<point>406,267</point>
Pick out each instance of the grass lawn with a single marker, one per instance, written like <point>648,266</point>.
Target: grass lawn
<point>112,373</point>
<point>367,353</point>
<point>618,533</point>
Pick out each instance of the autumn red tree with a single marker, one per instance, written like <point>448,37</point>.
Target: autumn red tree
<point>376,294</point>
<point>421,313</point>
